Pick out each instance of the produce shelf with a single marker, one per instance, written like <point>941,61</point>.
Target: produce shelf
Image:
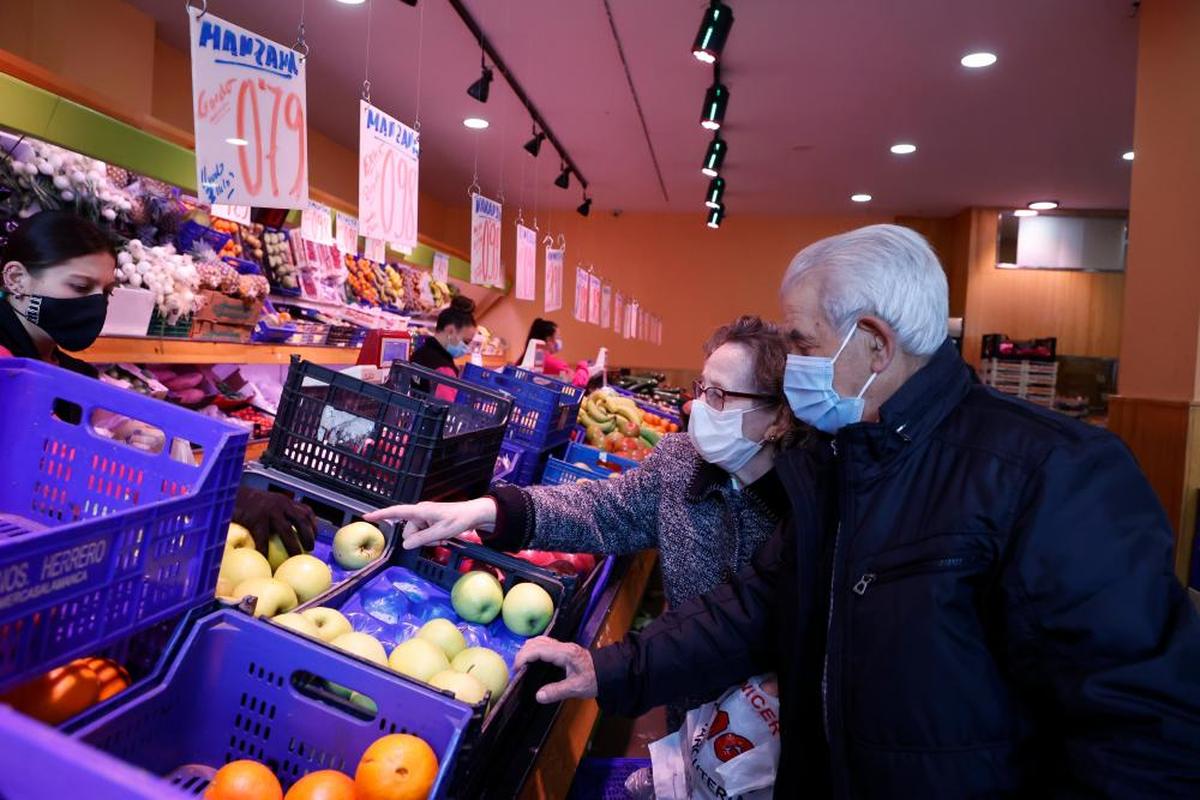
<point>142,350</point>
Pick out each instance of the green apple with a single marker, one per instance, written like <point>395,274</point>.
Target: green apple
<point>330,622</point>
<point>240,564</point>
<point>277,553</point>
<point>464,687</point>
<point>364,702</point>
<point>477,597</point>
<point>298,623</point>
<point>527,609</point>
<point>238,538</point>
<point>486,666</point>
<point>308,575</point>
<point>418,658</point>
<point>274,596</point>
<point>363,645</point>
<point>357,544</point>
<point>445,634</point>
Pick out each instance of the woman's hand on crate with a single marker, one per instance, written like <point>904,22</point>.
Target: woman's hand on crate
<point>432,523</point>
<point>576,661</point>
<point>267,514</point>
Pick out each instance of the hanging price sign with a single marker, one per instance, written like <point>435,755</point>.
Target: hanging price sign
<point>618,312</point>
<point>375,250</point>
<point>486,269</point>
<point>526,288</point>
<point>554,279</point>
<point>346,235</point>
<point>583,282</point>
<point>388,160</point>
<point>441,267</point>
<point>606,306</point>
<point>251,117</point>
<point>594,293</point>
<point>316,223</point>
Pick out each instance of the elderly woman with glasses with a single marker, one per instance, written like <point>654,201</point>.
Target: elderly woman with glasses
<point>706,500</point>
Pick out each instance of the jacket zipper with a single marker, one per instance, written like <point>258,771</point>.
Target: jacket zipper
<point>928,565</point>
<point>837,535</point>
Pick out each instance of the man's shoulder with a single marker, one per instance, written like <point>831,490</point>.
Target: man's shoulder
<point>1015,429</point>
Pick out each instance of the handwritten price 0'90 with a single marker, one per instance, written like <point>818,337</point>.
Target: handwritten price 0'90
<point>395,189</point>
<point>293,120</point>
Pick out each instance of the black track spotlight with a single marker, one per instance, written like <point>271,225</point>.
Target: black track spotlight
<point>585,207</point>
<point>412,3</point>
<point>534,145</point>
<point>480,88</point>
<point>714,157</point>
<point>716,216</point>
<point>716,191</point>
<point>715,101</point>
<point>714,30</point>
<point>564,178</point>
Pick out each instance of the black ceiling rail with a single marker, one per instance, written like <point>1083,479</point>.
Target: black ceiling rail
<point>515,85</point>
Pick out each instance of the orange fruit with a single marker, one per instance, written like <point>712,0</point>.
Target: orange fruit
<point>327,784</point>
<point>399,766</point>
<point>244,780</point>
<point>58,695</point>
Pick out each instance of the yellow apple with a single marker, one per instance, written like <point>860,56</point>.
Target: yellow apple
<point>363,645</point>
<point>486,666</point>
<point>330,623</point>
<point>464,687</point>
<point>238,538</point>
<point>274,596</point>
<point>357,544</point>
<point>308,575</point>
<point>418,658</point>
<point>445,635</point>
<point>527,609</point>
<point>298,623</point>
<point>240,564</point>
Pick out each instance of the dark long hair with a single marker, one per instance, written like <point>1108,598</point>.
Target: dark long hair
<point>460,313</point>
<point>49,238</point>
<point>540,329</point>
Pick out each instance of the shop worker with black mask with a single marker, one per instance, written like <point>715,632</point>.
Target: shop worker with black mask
<point>57,272</point>
<point>974,596</point>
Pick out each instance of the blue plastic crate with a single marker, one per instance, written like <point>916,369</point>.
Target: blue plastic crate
<point>597,460</point>
<point>99,540</point>
<point>192,233</point>
<point>604,778</point>
<point>544,410</point>
<point>520,465</point>
<point>558,471</point>
<point>241,687</point>
<point>649,407</point>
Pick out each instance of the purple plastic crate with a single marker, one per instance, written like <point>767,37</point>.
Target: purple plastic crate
<point>242,687</point>
<point>598,460</point>
<point>544,410</point>
<point>649,407</point>
<point>520,465</point>
<point>99,540</point>
<point>192,233</point>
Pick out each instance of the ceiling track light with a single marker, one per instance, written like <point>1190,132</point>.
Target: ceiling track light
<point>585,207</point>
<point>564,178</point>
<point>716,216</point>
<point>480,88</point>
<point>714,30</point>
<point>716,191</point>
<point>534,145</point>
<point>712,115</point>
<point>714,157</point>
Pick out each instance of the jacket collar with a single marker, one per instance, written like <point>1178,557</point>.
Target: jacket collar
<point>913,412</point>
<point>708,480</point>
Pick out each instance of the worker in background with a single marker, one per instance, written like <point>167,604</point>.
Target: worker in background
<point>546,330</point>
<point>456,327</point>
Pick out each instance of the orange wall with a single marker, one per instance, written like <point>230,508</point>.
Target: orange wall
<point>694,278</point>
<point>1162,303</point>
<point>1082,309</point>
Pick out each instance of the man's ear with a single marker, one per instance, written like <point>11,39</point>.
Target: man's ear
<point>883,343</point>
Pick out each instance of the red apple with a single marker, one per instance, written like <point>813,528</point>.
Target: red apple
<point>562,567</point>
<point>437,554</point>
<point>541,558</point>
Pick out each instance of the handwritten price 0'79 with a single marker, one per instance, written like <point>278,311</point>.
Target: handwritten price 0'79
<point>293,120</point>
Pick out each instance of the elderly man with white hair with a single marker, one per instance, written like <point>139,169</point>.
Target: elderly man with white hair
<point>973,596</point>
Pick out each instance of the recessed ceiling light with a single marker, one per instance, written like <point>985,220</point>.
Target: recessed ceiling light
<point>352,2</point>
<point>904,149</point>
<point>1043,205</point>
<point>236,142</point>
<point>475,123</point>
<point>1128,156</point>
<point>861,198</point>
<point>978,60</point>
<point>1025,212</point>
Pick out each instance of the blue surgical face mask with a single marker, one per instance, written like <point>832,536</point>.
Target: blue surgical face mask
<point>458,349</point>
<point>808,385</point>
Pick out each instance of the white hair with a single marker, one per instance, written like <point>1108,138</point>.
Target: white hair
<point>885,271</point>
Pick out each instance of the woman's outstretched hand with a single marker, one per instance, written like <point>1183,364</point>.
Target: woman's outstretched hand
<point>431,523</point>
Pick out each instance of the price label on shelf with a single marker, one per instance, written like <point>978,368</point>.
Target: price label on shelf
<point>249,103</point>
<point>486,269</point>
<point>346,235</point>
<point>441,267</point>
<point>316,223</point>
<point>554,279</point>
<point>388,168</point>
<point>375,250</point>
<point>526,263</point>
<point>238,214</point>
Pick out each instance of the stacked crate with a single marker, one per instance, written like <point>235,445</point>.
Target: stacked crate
<point>1035,381</point>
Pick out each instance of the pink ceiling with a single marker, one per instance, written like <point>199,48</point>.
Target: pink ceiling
<point>819,91</point>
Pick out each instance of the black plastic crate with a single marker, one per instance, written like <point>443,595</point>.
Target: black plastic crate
<point>424,436</point>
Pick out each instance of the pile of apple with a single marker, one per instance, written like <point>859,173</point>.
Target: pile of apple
<point>281,582</point>
<point>563,563</point>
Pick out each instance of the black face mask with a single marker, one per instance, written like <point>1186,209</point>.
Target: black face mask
<point>74,324</point>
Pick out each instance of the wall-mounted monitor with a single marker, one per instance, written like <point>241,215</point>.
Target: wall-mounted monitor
<point>1092,241</point>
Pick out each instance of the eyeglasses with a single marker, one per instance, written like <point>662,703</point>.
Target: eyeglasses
<point>714,396</point>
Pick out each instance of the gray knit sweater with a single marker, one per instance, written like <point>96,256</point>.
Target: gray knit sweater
<point>704,528</point>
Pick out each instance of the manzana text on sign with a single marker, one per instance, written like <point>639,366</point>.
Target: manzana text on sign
<point>388,171</point>
<point>486,269</point>
<point>249,103</point>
